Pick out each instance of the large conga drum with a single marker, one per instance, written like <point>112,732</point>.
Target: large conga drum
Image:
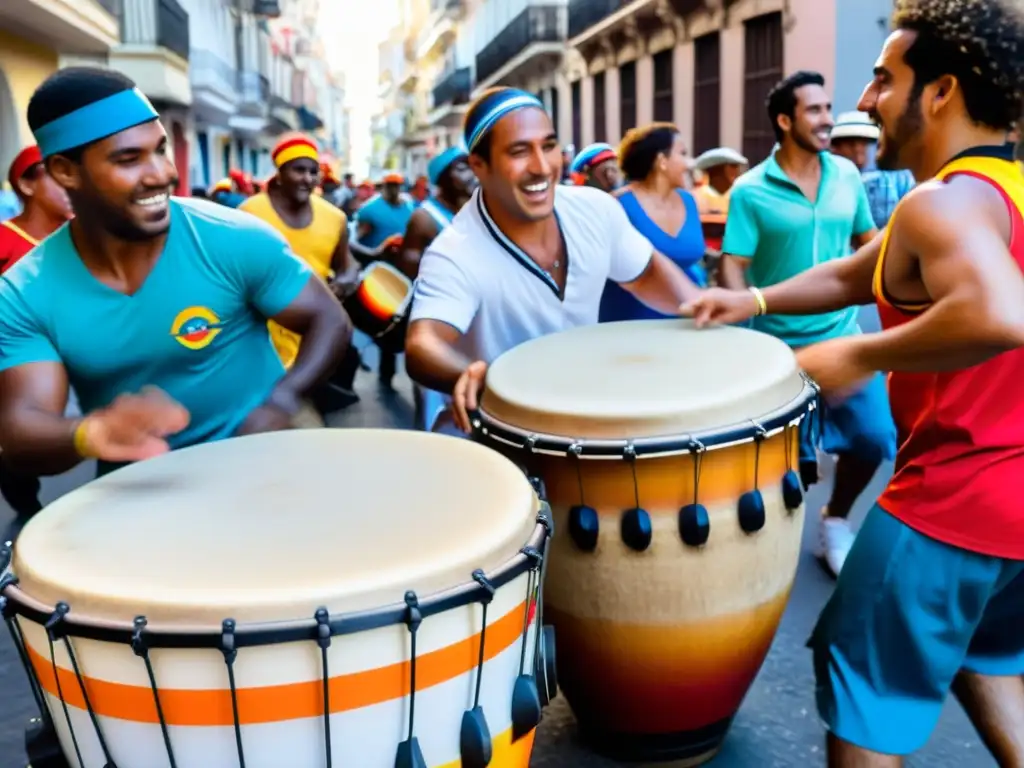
<point>668,458</point>
<point>292,600</point>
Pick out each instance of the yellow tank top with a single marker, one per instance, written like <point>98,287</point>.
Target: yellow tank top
<point>314,244</point>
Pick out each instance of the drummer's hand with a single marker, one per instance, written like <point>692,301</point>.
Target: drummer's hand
<point>466,394</point>
<point>834,366</point>
<point>273,415</point>
<point>132,428</point>
<point>344,286</point>
<point>721,306</point>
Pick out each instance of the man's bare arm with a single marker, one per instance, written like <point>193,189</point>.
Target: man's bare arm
<point>663,286</point>
<point>431,358</point>
<point>419,233</point>
<point>861,240</point>
<point>341,259</point>
<point>959,234</point>
<point>35,436</point>
<point>732,272</point>
<point>326,332</point>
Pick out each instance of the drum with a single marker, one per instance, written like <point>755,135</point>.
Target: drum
<point>668,456</point>
<point>275,600</point>
<point>378,307</point>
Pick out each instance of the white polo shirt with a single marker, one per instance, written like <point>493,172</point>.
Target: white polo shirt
<point>475,279</point>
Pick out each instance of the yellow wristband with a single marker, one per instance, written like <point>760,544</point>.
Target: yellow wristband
<point>762,305</point>
<point>81,440</point>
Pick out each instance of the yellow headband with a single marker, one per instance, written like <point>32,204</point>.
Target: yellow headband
<point>296,152</point>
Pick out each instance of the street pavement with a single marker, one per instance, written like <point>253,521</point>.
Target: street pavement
<point>777,727</point>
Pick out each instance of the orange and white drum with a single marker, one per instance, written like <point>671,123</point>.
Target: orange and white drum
<point>280,600</point>
<point>379,306</point>
<point>667,456</point>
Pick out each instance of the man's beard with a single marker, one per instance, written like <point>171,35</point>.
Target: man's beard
<point>907,126</point>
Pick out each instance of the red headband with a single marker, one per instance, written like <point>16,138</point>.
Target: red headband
<point>26,159</point>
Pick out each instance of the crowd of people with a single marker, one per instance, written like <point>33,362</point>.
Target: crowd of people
<point>225,316</point>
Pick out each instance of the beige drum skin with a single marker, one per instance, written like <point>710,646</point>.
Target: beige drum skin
<point>265,530</point>
<point>659,641</point>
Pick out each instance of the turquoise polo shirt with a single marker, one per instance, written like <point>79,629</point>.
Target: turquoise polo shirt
<point>384,218</point>
<point>773,225</point>
<point>197,328</point>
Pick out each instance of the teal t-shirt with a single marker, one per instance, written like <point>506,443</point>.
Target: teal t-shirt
<point>385,219</point>
<point>773,224</point>
<point>197,328</point>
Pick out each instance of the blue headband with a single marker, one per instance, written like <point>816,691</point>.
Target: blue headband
<point>495,107</point>
<point>586,157</point>
<point>95,121</point>
<point>443,162</point>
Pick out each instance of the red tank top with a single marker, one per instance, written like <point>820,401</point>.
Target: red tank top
<point>14,243</point>
<point>959,474</point>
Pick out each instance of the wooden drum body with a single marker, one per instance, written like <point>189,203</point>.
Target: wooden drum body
<point>285,625</point>
<point>667,456</point>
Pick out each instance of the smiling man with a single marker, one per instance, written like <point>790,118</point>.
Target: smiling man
<point>143,291</point>
<point>526,257</point>
<point>802,207</point>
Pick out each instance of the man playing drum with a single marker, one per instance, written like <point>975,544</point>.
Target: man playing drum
<point>932,594</point>
<point>451,175</point>
<point>525,258</point>
<point>141,290</point>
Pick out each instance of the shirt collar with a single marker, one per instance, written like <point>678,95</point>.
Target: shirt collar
<point>774,172</point>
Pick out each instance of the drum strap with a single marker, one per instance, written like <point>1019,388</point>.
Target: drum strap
<point>437,213</point>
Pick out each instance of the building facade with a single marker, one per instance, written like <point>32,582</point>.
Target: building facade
<point>33,36</point>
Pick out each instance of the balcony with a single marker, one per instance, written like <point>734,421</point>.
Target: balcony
<point>454,7</point>
<point>154,50</point>
<point>533,41</point>
<point>253,114</point>
<point>590,20</point>
<point>73,27</point>
<point>214,85</point>
<point>439,30</point>
<point>451,97</point>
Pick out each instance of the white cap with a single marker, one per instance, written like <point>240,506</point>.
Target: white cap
<point>855,125</point>
<point>719,156</point>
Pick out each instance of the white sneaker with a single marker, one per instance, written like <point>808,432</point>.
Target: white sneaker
<point>835,538</point>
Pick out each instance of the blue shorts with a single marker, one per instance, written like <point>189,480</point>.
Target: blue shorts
<point>907,614</point>
<point>861,426</point>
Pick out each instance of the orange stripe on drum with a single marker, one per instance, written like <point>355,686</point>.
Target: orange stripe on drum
<point>381,302</point>
<point>278,703</point>
<point>506,754</point>
<point>664,484</point>
<point>650,679</point>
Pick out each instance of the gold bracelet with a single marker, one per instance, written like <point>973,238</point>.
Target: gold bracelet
<point>762,305</point>
<point>81,441</point>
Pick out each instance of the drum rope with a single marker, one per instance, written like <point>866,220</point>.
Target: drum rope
<point>577,450</point>
<point>323,639</point>
<point>630,455</point>
<point>141,650</point>
<point>489,590</point>
<point>414,618</point>
<point>540,610</point>
<point>56,618</point>
<point>230,651</point>
<point>9,616</point>
<point>532,553</point>
<point>760,434</point>
<point>88,704</point>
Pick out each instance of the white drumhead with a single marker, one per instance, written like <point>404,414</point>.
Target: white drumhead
<point>638,379</point>
<point>270,527</point>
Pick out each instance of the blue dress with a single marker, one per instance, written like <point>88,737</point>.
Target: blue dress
<point>686,249</point>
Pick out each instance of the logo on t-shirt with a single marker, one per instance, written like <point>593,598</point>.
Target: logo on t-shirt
<point>196,327</point>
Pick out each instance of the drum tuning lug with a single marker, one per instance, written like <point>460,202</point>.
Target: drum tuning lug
<point>5,555</point>
<point>323,627</point>
<point>751,511</point>
<point>636,529</point>
<point>792,490</point>
<point>475,745</point>
<point>52,625</point>
<point>410,755</point>
<point>546,668</point>
<point>525,707</point>
<point>227,640</point>
<point>538,487</point>
<point>583,527</point>
<point>413,615</point>
<point>694,525</point>
<point>139,647</point>
<point>484,582</point>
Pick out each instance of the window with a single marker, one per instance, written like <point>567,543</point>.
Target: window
<point>762,70</point>
<point>664,106</point>
<point>600,124</point>
<point>707,92</point>
<point>554,108</point>
<point>577,114</point>
<point>627,97</point>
